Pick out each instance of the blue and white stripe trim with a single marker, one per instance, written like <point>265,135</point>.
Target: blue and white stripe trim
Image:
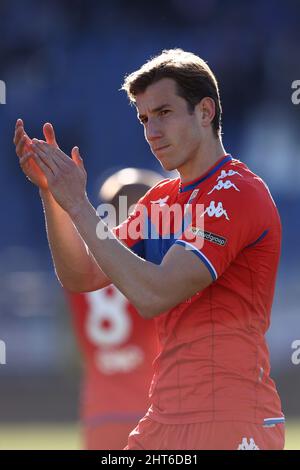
<point>273,421</point>
<point>227,158</point>
<point>200,255</point>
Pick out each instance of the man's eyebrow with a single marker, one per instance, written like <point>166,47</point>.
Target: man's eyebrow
<point>155,110</point>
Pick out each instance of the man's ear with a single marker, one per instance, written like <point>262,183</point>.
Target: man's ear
<point>206,110</point>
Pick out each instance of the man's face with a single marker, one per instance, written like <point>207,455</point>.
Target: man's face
<point>171,129</point>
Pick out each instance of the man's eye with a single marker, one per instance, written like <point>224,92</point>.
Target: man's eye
<point>163,112</point>
<point>143,120</point>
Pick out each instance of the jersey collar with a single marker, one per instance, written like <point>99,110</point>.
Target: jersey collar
<point>193,184</point>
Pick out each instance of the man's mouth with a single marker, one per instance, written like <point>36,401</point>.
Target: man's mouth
<point>161,148</point>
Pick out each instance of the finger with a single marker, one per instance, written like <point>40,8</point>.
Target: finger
<point>49,134</point>
<point>76,157</point>
<point>58,156</point>
<point>39,147</point>
<point>43,166</point>
<point>54,158</point>
<point>24,159</point>
<point>47,158</point>
<point>21,145</point>
<point>19,122</point>
<point>64,158</point>
<point>19,133</point>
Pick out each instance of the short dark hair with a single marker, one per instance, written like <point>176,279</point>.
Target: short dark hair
<point>193,77</point>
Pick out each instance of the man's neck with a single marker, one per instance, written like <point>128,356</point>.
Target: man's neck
<point>209,153</point>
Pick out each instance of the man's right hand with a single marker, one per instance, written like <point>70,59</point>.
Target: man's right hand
<point>23,150</point>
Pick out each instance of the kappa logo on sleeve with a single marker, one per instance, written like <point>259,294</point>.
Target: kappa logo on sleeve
<point>215,211</point>
<point>209,236</point>
<point>224,174</point>
<point>161,202</point>
<point>224,185</point>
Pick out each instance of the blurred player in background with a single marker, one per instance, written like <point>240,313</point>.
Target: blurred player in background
<point>117,344</point>
<point>207,276</point>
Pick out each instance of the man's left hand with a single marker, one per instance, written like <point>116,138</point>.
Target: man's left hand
<point>66,176</point>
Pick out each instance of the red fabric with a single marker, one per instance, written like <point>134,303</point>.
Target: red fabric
<point>111,436</point>
<point>231,435</point>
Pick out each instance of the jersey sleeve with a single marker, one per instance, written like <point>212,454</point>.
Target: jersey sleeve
<point>134,230</point>
<point>223,223</point>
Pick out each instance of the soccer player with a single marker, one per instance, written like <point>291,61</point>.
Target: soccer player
<point>117,344</point>
<point>207,276</point>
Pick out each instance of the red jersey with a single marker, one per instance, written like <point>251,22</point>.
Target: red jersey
<point>213,363</point>
<point>118,348</point>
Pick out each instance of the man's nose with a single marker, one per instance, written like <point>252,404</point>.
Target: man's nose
<point>153,131</point>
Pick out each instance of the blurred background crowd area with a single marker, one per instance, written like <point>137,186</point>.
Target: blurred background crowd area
<point>64,62</point>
